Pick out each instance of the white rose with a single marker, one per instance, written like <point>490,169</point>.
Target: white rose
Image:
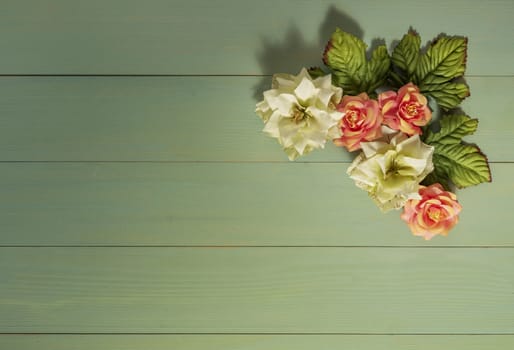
<point>392,168</point>
<point>300,112</point>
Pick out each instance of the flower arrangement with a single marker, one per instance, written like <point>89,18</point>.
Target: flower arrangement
<point>399,110</point>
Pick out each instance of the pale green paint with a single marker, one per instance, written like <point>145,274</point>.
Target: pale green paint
<point>189,119</point>
<point>255,290</point>
<point>232,36</point>
<point>183,119</point>
<point>252,342</point>
<point>224,204</point>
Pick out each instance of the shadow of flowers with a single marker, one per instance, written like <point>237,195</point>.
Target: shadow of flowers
<point>294,52</point>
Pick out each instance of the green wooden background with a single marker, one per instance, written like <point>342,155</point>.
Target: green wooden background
<point>141,207</point>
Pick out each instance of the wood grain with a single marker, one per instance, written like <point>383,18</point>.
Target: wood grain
<point>223,204</point>
<point>231,36</point>
<point>253,342</point>
<point>182,119</point>
<point>106,178</point>
<point>256,290</point>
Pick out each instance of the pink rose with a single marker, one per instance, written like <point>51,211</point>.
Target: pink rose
<point>361,121</point>
<point>434,214</point>
<point>406,110</point>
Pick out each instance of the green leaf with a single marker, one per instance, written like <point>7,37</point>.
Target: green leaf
<point>465,165</point>
<point>448,95</point>
<point>397,79</point>
<point>436,71</point>
<point>316,72</point>
<point>445,57</point>
<point>378,68</point>
<point>462,164</point>
<point>406,53</point>
<point>345,54</point>
<point>453,129</point>
<point>437,176</point>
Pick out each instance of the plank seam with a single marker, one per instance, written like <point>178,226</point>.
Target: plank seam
<point>193,162</point>
<point>259,246</point>
<point>257,334</point>
<point>150,75</point>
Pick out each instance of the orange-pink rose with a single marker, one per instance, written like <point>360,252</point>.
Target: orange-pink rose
<point>405,110</point>
<point>361,121</point>
<point>436,213</point>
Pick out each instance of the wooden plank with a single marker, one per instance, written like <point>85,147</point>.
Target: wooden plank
<point>181,119</point>
<point>231,36</point>
<point>253,342</point>
<point>256,290</point>
<point>223,204</point>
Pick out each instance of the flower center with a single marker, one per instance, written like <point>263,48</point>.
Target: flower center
<point>411,109</point>
<point>392,167</point>
<point>435,213</point>
<point>300,113</point>
<point>352,118</point>
<point>392,171</point>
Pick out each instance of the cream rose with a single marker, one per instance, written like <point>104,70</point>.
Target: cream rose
<point>300,112</point>
<point>392,168</point>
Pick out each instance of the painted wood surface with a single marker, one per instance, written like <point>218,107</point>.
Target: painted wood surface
<point>223,204</point>
<point>253,342</point>
<point>231,36</point>
<point>182,119</point>
<point>256,290</point>
<point>150,212</point>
